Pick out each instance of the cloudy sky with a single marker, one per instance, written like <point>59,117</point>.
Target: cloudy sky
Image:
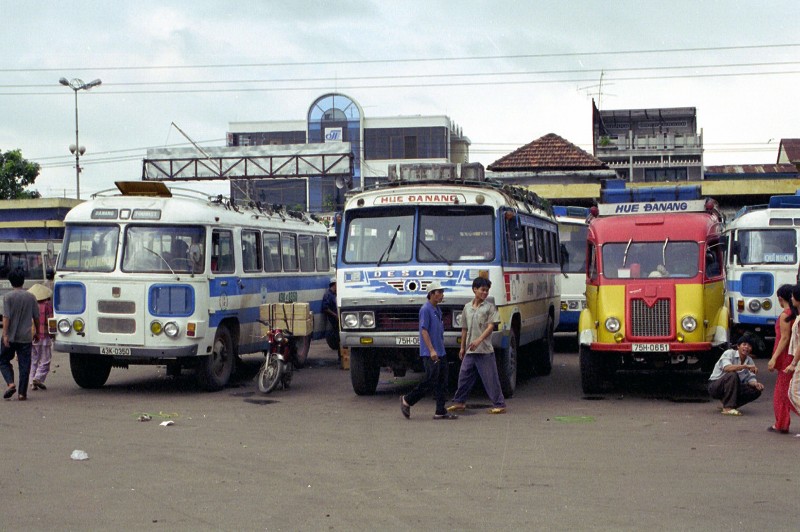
<point>506,72</point>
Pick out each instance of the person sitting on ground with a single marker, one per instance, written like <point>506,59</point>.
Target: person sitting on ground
<point>733,380</point>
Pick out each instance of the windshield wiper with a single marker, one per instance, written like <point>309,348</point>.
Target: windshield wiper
<point>390,246</point>
<point>625,255</point>
<point>160,257</point>
<point>432,252</point>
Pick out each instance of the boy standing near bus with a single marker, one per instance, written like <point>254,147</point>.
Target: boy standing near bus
<point>477,354</point>
<point>41,351</point>
<point>20,314</point>
<point>431,349</point>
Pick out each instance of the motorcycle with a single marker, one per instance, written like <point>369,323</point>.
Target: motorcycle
<point>279,362</point>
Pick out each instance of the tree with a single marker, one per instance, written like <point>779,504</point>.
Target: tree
<point>16,174</point>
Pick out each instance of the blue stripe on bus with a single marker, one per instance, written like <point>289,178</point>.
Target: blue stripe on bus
<point>757,320</point>
<point>252,285</point>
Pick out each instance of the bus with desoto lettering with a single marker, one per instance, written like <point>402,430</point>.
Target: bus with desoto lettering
<point>762,256</point>
<point>654,284</point>
<point>426,224</point>
<point>572,230</point>
<point>153,275</point>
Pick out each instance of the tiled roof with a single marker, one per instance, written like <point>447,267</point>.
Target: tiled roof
<point>784,168</point>
<point>549,152</point>
<point>792,149</point>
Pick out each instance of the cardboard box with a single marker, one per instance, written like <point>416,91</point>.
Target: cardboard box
<point>295,318</point>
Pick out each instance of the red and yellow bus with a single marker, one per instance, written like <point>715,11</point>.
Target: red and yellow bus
<point>654,285</point>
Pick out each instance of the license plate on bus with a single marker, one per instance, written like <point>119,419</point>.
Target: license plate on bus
<point>650,348</point>
<point>407,340</point>
<point>116,351</point>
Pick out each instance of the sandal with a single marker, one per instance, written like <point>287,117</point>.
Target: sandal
<point>11,390</point>
<point>457,407</point>
<point>731,412</point>
<point>498,410</point>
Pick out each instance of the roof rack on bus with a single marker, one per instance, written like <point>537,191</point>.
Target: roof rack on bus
<point>472,174</point>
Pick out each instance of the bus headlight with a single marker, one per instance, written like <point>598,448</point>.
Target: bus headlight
<point>688,323</point>
<point>350,320</point>
<point>457,319</point>
<point>78,325</point>
<point>754,305</point>
<point>64,327</point>
<point>171,329</point>
<point>358,320</point>
<point>156,327</point>
<point>368,320</point>
<point>766,304</point>
<point>612,325</point>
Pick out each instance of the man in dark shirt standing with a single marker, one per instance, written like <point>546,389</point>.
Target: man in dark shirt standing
<point>20,314</point>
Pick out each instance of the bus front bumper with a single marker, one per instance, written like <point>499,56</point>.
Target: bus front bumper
<point>124,351</point>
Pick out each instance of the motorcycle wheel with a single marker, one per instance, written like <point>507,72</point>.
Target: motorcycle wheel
<point>270,374</point>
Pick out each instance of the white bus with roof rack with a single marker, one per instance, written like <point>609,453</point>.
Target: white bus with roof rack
<point>153,275</point>
<point>428,224</point>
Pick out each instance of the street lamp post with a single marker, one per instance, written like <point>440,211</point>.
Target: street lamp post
<point>76,85</point>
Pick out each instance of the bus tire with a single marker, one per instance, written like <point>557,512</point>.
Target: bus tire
<point>89,371</point>
<point>303,345</point>
<point>215,369</point>
<point>594,372</point>
<point>543,357</point>
<point>507,365</point>
<point>364,371</point>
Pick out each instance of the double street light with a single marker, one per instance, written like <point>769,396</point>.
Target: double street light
<point>77,85</point>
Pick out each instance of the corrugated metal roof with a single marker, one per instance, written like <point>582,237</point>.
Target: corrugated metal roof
<point>784,168</point>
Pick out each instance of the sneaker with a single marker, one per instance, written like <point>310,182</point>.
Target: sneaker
<point>404,407</point>
<point>497,410</point>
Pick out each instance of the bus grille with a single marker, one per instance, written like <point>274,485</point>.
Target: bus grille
<point>116,325</point>
<point>116,307</point>
<point>650,321</point>
<point>405,320</point>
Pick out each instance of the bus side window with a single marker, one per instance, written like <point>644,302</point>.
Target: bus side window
<point>305,246</point>
<point>222,252</point>
<point>713,266</point>
<point>272,257</point>
<point>322,253</point>
<point>289,252</point>
<point>251,258</point>
<point>592,271</point>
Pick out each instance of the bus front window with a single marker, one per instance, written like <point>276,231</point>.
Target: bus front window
<point>89,248</point>
<point>636,260</point>
<point>378,236</point>
<point>770,246</point>
<point>453,234</point>
<point>164,249</point>
<point>573,247</point>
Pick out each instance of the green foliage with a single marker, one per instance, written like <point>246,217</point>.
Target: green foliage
<point>16,174</point>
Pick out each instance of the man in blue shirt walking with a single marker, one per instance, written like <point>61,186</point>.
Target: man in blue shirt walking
<point>434,358</point>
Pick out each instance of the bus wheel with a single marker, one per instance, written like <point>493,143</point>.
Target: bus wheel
<point>215,369</point>
<point>303,345</point>
<point>507,365</point>
<point>89,371</point>
<point>364,371</point>
<point>593,371</point>
<point>543,358</point>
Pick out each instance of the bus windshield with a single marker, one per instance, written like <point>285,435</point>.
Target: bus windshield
<point>573,247</point>
<point>771,246</point>
<point>164,249</point>
<point>379,236</point>
<point>453,234</point>
<point>89,248</point>
<point>666,258</point>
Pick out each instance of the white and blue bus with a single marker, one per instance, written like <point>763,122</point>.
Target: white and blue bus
<point>572,230</point>
<point>427,224</point>
<point>762,255</point>
<point>158,276</point>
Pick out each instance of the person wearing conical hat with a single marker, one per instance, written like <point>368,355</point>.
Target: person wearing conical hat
<point>42,348</point>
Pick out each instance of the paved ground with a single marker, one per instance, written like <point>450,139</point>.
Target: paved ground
<point>654,455</point>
